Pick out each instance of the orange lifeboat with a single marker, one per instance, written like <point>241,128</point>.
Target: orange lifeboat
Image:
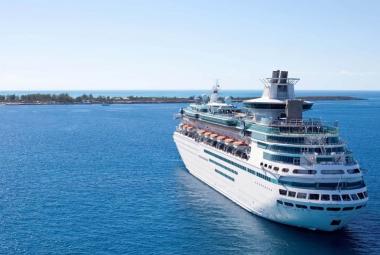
<point>229,140</point>
<point>220,138</point>
<point>201,131</point>
<point>239,143</point>
<point>207,134</point>
<point>213,136</point>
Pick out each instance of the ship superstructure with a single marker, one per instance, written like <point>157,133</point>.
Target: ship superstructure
<point>270,160</point>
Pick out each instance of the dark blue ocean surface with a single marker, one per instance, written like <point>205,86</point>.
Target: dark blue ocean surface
<point>88,179</point>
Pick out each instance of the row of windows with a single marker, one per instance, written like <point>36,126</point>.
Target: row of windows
<point>320,208</point>
<point>307,171</point>
<point>282,159</point>
<point>298,150</point>
<point>225,175</point>
<point>262,176</point>
<point>223,166</point>
<point>324,197</point>
<point>264,129</point>
<point>304,171</point>
<point>308,129</point>
<point>296,140</point>
<point>285,139</point>
<point>275,168</point>
<point>296,160</point>
<point>326,185</point>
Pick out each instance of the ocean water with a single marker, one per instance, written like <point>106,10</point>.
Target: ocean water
<point>87,179</point>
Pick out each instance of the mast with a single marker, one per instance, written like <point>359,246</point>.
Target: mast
<point>215,92</point>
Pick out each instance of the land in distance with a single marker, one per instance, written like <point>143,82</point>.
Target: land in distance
<point>52,99</point>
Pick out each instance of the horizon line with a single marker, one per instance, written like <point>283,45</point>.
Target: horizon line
<point>52,90</point>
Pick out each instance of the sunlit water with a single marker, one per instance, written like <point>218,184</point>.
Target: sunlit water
<point>89,179</point>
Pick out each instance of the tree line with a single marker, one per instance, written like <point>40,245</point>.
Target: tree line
<point>65,98</point>
<point>51,98</point>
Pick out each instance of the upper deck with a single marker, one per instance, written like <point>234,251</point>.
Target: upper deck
<point>311,126</point>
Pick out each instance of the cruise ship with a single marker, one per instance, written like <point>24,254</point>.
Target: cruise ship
<point>264,156</point>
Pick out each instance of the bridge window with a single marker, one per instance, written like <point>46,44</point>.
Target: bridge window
<point>354,197</point>
<point>353,171</point>
<point>301,195</point>
<point>314,196</point>
<point>333,209</point>
<point>282,192</point>
<point>346,197</point>
<point>304,171</point>
<point>292,194</point>
<point>332,171</point>
<point>325,197</point>
<point>336,198</point>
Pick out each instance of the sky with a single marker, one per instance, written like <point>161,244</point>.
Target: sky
<point>178,44</point>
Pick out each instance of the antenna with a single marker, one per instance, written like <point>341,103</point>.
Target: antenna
<point>216,87</point>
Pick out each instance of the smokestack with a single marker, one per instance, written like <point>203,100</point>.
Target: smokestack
<point>284,76</point>
<point>275,76</point>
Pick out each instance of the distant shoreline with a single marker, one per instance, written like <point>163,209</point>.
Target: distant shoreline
<point>65,99</point>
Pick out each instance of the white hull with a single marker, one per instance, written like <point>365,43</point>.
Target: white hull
<point>254,194</point>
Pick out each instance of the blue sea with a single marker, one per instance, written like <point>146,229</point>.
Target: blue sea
<point>89,179</point>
